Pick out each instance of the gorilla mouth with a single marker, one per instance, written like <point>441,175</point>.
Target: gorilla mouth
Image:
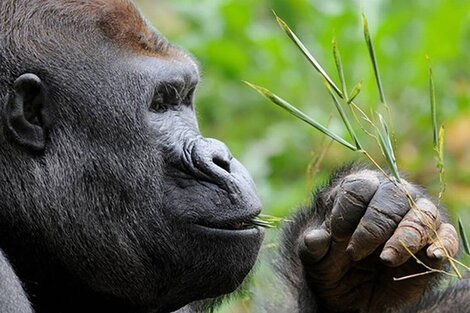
<point>244,225</point>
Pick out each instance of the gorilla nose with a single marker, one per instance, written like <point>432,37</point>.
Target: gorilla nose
<point>211,160</point>
<point>211,157</point>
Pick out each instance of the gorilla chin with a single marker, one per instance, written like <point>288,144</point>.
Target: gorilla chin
<point>237,249</point>
<point>205,249</point>
<point>234,244</point>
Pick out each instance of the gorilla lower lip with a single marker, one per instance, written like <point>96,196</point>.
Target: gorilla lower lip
<point>230,228</point>
<point>251,231</point>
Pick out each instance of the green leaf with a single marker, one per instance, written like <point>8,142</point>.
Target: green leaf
<point>355,92</point>
<point>307,54</point>
<point>339,67</point>
<point>373,58</point>
<point>300,115</point>
<point>463,236</point>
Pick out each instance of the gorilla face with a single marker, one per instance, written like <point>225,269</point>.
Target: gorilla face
<point>109,184</point>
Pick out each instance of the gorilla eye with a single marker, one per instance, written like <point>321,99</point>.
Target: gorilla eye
<point>171,97</point>
<point>158,103</point>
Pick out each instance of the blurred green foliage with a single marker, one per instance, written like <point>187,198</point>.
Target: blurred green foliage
<point>237,40</point>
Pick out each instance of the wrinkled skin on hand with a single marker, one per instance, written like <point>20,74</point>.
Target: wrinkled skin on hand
<point>352,255</point>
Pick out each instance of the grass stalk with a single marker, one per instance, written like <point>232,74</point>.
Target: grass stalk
<point>437,133</point>
<point>432,96</point>
<point>345,119</point>
<point>299,114</point>
<point>460,263</point>
<point>430,270</point>
<point>265,221</point>
<point>387,148</point>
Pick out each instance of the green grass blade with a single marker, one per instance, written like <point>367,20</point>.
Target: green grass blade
<point>270,218</point>
<point>307,54</point>
<point>440,148</point>
<point>373,58</point>
<point>432,95</point>
<point>355,92</point>
<point>339,67</point>
<point>345,118</point>
<point>300,115</point>
<point>463,237</point>
<point>440,162</point>
<point>387,148</point>
<point>437,132</point>
<point>261,223</point>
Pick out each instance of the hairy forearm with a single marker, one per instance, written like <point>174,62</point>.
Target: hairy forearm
<point>289,266</point>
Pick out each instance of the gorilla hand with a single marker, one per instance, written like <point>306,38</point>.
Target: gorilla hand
<point>364,240</point>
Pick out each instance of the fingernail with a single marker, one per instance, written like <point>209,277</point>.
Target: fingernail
<point>317,239</point>
<point>388,256</point>
<point>351,251</point>
<point>438,255</point>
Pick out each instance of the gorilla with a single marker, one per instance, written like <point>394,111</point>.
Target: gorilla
<point>112,201</point>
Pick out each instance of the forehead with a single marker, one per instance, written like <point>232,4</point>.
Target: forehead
<point>123,23</point>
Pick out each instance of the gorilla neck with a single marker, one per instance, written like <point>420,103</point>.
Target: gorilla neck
<point>75,301</point>
<point>62,293</point>
<point>71,297</point>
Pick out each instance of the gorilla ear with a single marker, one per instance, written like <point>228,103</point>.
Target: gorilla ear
<point>23,115</point>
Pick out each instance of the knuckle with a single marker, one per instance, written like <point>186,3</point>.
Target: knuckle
<point>412,235</point>
<point>384,215</point>
<point>362,177</point>
<point>370,232</point>
<point>449,231</point>
<point>359,187</point>
<point>428,207</point>
<point>393,187</point>
<point>352,197</point>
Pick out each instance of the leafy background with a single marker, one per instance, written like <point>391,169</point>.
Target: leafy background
<point>237,40</point>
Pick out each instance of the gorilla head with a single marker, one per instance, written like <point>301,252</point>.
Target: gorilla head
<point>108,190</point>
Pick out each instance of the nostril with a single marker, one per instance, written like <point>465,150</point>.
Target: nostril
<point>222,163</point>
<point>210,157</point>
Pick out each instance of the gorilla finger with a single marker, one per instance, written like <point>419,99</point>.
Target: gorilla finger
<point>317,242</point>
<point>446,241</point>
<point>412,234</point>
<point>352,198</point>
<point>386,209</point>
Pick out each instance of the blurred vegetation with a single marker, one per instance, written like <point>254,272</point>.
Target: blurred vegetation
<point>237,40</point>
